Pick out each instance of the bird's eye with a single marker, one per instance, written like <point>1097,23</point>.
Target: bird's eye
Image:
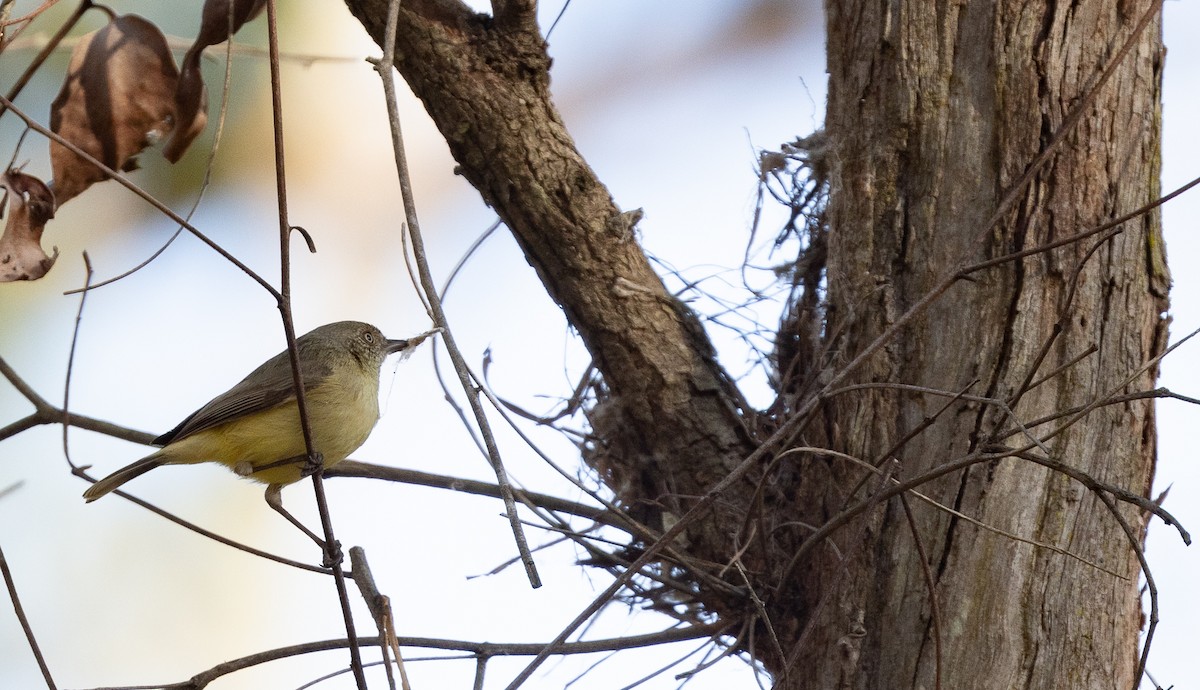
<point>369,337</point>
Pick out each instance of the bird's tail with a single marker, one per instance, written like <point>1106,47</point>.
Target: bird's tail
<point>123,475</point>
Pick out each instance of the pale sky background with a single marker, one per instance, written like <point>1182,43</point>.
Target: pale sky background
<point>668,101</point>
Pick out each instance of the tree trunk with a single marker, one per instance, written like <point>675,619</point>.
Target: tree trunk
<point>936,110</point>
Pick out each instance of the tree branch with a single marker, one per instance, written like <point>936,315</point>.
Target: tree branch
<point>365,470</point>
<point>669,417</point>
<point>482,650</point>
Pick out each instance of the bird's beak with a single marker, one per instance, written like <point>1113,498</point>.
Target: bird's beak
<point>394,346</point>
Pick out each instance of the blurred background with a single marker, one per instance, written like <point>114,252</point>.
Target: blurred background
<point>668,101</point>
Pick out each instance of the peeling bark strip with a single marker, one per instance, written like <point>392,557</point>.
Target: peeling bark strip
<point>936,109</point>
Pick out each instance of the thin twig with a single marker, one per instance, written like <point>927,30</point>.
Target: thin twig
<point>333,554</point>
<point>761,608</point>
<point>45,52</point>
<point>381,611</point>
<point>1079,236</point>
<point>981,455</point>
<point>1135,543</point>
<point>669,665</point>
<point>1088,351</point>
<point>730,649</point>
<point>1159,392</point>
<point>45,413</point>
<point>353,468</point>
<point>1064,319</point>
<point>935,615</point>
<point>210,534</point>
<point>482,649</point>
<point>25,626</point>
<point>46,4</point>
<point>66,406</point>
<point>385,68</point>
<point>951,511</point>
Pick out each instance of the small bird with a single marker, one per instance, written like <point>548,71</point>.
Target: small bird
<point>254,427</point>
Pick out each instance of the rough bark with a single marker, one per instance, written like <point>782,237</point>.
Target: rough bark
<point>935,111</point>
<point>671,424</point>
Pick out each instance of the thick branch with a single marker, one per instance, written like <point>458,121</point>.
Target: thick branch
<point>672,425</point>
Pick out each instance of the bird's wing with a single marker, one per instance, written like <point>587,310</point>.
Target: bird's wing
<point>267,386</point>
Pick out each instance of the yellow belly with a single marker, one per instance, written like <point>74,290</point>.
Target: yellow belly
<point>341,420</point>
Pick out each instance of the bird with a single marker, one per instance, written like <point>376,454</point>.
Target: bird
<point>254,427</point>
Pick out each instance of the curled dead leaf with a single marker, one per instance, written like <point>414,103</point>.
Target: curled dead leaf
<point>118,98</point>
<point>216,23</point>
<point>30,205</point>
<point>219,20</point>
<point>191,103</point>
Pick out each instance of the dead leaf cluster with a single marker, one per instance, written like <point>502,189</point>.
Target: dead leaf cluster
<point>122,94</point>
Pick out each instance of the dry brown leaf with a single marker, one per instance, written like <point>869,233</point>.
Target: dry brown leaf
<point>30,206</point>
<point>191,98</point>
<point>216,25</point>
<point>191,103</point>
<point>119,98</point>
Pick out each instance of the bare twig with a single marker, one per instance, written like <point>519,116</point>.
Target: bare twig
<point>333,554</point>
<point>730,649</point>
<point>66,407</point>
<point>353,468</point>
<point>45,413</point>
<point>381,610</point>
<point>761,608</point>
<point>385,68</point>
<point>45,52</point>
<point>1087,352</point>
<point>951,511</point>
<point>1135,543</point>
<point>25,626</point>
<point>1079,236</point>
<point>211,535</point>
<point>478,649</point>
<point>1064,319</point>
<point>669,665</point>
<point>1110,400</point>
<point>935,616</point>
<point>46,4</point>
